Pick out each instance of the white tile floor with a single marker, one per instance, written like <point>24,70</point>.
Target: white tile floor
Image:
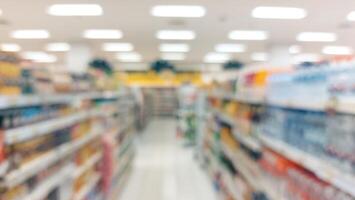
<point>164,170</point>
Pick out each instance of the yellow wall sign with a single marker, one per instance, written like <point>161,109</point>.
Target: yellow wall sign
<point>160,79</point>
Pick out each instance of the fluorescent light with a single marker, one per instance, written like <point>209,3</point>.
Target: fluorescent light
<point>230,48</point>
<point>129,57</point>
<point>10,47</point>
<point>178,11</point>
<point>338,50</point>
<point>30,34</point>
<point>294,49</point>
<point>216,58</point>
<point>1,12</point>
<point>173,56</point>
<point>351,16</point>
<point>58,47</point>
<point>75,10</point>
<point>117,47</point>
<point>176,35</point>
<point>306,58</point>
<point>264,12</point>
<point>259,56</point>
<point>316,37</point>
<point>38,56</point>
<point>174,48</point>
<point>102,34</point>
<point>248,35</point>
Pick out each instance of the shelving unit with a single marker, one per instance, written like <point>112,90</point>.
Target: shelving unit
<point>250,169</point>
<point>110,114</point>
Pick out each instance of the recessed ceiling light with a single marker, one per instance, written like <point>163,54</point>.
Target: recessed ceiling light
<point>174,48</point>
<point>230,48</point>
<point>103,34</point>
<point>129,57</point>
<point>351,16</point>
<point>316,37</point>
<point>178,11</point>
<point>265,12</point>
<point>248,35</point>
<point>38,56</point>
<point>30,34</point>
<point>259,56</point>
<point>10,47</point>
<point>176,35</point>
<point>75,10</point>
<point>117,47</point>
<point>216,58</point>
<point>309,57</point>
<point>338,50</point>
<point>294,49</point>
<point>58,47</point>
<point>173,56</point>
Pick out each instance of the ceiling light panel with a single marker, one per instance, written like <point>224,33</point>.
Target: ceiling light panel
<point>230,48</point>
<point>259,56</point>
<point>58,47</point>
<point>10,47</point>
<point>316,37</point>
<point>248,35</point>
<point>75,10</point>
<point>337,50</point>
<point>38,56</point>
<point>178,11</point>
<point>176,35</point>
<point>264,12</point>
<point>174,48</point>
<point>351,16</point>
<point>117,47</point>
<point>173,56</point>
<point>129,57</point>
<point>103,34</point>
<point>216,58</point>
<point>30,34</point>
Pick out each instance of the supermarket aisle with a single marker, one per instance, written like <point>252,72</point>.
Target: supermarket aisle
<point>163,170</point>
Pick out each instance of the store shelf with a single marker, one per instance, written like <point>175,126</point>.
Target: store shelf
<point>251,172</point>
<point>230,184</point>
<point>84,191</point>
<point>248,141</point>
<point>28,100</point>
<point>299,105</point>
<point>32,168</point>
<point>240,98</point>
<point>44,188</point>
<point>225,118</point>
<point>87,165</point>
<point>4,166</point>
<point>321,168</point>
<point>34,130</point>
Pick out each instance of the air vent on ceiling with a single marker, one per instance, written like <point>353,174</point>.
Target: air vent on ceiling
<point>345,25</point>
<point>177,22</point>
<point>4,22</point>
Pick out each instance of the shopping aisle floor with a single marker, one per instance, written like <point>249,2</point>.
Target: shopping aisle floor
<point>164,169</point>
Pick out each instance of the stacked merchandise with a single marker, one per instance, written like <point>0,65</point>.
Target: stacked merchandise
<point>297,144</point>
<point>53,146</point>
<point>164,100</point>
<point>11,82</point>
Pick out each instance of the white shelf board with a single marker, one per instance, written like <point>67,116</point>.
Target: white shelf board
<point>45,187</point>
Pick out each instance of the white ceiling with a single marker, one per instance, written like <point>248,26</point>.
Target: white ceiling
<point>139,27</point>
